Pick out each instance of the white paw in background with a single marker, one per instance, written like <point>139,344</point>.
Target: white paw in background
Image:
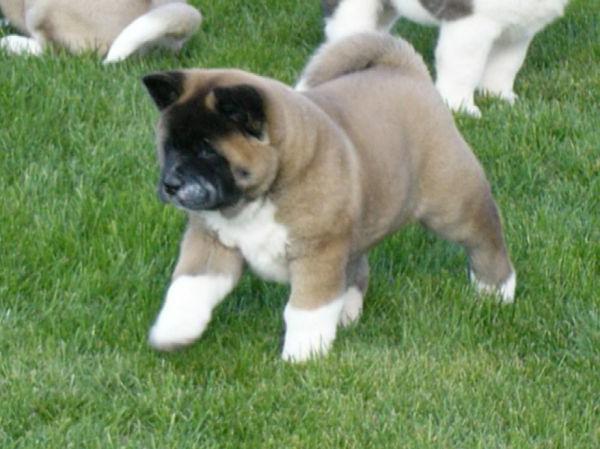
<point>471,110</point>
<point>310,333</point>
<point>509,97</point>
<point>460,104</point>
<point>187,310</point>
<point>21,45</point>
<point>352,309</point>
<point>506,292</point>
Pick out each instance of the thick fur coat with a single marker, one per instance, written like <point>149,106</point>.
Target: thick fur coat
<point>299,185</point>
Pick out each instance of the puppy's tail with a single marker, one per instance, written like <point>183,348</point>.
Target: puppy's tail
<point>361,52</point>
<point>169,25</point>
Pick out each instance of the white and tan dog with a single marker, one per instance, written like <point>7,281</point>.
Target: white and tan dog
<point>482,43</point>
<point>115,28</point>
<point>300,185</point>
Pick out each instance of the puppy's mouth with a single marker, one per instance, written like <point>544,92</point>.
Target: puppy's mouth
<point>196,196</point>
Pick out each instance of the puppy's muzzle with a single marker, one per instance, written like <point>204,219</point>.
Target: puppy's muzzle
<point>193,195</point>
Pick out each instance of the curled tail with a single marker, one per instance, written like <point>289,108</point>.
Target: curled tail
<point>168,25</point>
<point>361,52</point>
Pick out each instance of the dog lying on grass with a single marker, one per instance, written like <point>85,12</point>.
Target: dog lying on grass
<point>114,28</point>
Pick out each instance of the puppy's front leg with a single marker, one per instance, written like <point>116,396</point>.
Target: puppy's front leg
<point>317,298</point>
<point>205,273</point>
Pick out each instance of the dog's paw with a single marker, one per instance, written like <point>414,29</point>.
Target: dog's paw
<point>506,291</point>
<point>21,45</point>
<point>302,346</point>
<point>187,310</point>
<point>310,333</point>
<point>353,304</point>
<point>466,108</point>
<point>510,97</point>
<point>507,95</point>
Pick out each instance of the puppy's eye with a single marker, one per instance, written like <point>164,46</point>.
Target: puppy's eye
<point>204,149</point>
<point>241,173</point>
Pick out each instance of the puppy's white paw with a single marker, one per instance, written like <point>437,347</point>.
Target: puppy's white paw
<point>21,45</point>
<point>353,304</point>
<point>458,99</point>
<point>464,107</point>
<point>310,333</point>
<point>506,291</point>
<point>509,97</point>
<point>302,346</point>
<point>187,310</point>
<point>471,110</point>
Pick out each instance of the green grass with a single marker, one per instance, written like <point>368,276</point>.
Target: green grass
<point>87,249</point>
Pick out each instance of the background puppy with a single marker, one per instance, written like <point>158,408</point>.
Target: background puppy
<point>482,43</point>
<point>115,28</point>
<point>300,185</point>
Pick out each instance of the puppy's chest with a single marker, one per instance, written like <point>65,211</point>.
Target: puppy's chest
<point>255,233</point>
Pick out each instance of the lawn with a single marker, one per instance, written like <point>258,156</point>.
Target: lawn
<point>87,250</point>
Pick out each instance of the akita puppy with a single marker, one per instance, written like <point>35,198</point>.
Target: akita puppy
<point>300,185</point>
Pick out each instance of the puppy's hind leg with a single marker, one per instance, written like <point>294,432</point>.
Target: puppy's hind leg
<point>169,25</point>
<point>357,275</point>
<point>205,273</point>
<point>474,222</point>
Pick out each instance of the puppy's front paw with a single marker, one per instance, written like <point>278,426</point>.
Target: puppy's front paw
<point>21,45</point>
<point>466,108</point>
<point>187,310</point>
<point>509,96</point>
<point>310,333</point>
<point>302,346</point>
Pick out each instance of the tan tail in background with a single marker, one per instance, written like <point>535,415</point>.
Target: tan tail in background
<point>170,26</point>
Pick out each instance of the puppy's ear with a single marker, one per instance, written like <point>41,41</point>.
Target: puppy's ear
<point>164,87</point>
<point>244,105</point>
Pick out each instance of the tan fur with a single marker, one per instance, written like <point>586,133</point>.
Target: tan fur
<point>78,25</point>
<point>200,249</point>
<point>347,163</point>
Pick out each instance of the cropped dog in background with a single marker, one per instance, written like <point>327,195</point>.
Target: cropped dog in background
<point>115,28</point>
<point>481,46</point>
<point>300,185</point>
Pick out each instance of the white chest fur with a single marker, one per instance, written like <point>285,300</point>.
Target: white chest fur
<point>261,240</point>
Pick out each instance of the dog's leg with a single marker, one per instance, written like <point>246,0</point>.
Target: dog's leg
<point>316,302</point>
<point>353,16</point>
<point>205,273</point>
<point>473,222</point>
<point>504,62</point>
<point>21,45</point>
<point>461,55</point>
<point>357,276</point>
<point>169,25</point>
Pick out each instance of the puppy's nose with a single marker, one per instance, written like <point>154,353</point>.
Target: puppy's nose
<point>172,183</point>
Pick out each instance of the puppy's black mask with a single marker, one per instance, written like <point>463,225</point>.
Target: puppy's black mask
<point>194,175</point>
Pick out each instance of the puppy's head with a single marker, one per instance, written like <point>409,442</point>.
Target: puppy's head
<point>213,142</point>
